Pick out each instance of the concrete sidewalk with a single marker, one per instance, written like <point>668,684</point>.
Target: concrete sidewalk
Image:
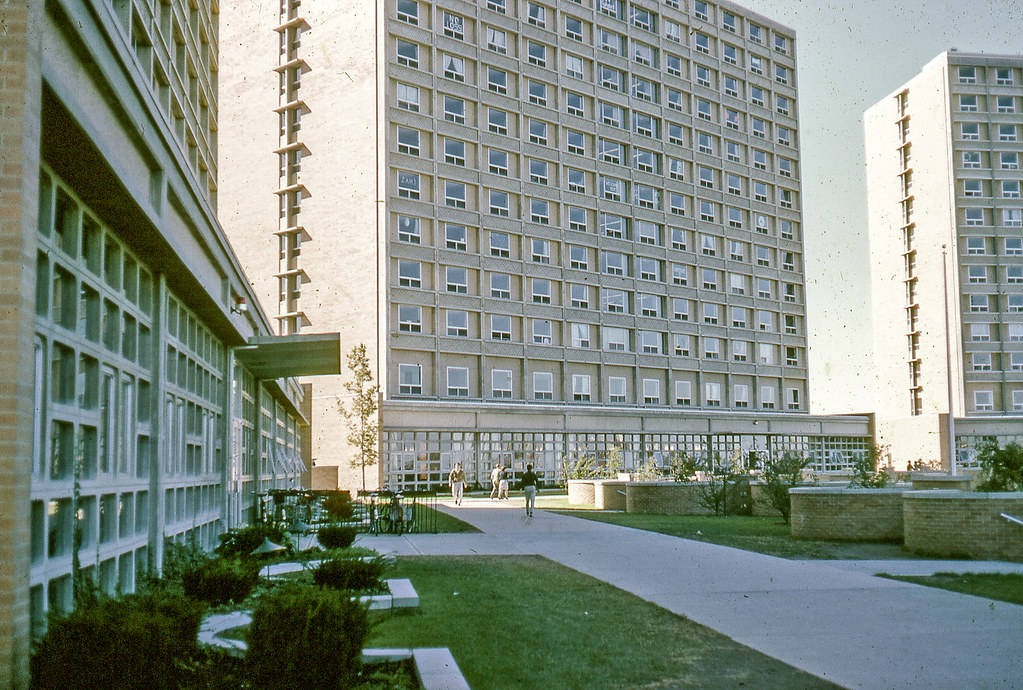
<point>831,619</point>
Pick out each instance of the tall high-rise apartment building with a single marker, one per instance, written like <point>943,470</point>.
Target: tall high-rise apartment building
<point>562,227</point>
<point>144,397</point>
<point>943,178</point>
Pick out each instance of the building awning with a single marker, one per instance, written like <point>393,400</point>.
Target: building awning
<point>283,356</point>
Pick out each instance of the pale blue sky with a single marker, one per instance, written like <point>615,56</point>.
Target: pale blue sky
<point>851,55</point>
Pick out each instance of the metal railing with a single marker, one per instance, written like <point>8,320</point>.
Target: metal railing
<point>396,512</point>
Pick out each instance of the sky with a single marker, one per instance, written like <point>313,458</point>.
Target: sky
<point>851,55</point>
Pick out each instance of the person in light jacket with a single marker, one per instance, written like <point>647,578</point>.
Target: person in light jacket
<point>456,482</point>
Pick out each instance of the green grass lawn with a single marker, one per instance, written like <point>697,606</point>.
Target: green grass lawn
<point>443,521</point>
<point>527,622</point>
<point>1003,587</point>
<point>767,535</point>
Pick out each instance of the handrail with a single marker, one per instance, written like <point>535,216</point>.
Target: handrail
<point>1012,519</point>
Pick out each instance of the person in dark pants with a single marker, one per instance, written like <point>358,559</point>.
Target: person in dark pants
<point>529,484</point>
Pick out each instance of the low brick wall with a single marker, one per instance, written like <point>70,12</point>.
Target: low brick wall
<point>580,492</point>
<point>664,498</point>
<point>847,514</point>
<point>925,482</point>
<point>609,494</point>
<point>958,524</point>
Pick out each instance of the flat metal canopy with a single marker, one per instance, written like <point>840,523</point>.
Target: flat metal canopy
<point>284,356</point>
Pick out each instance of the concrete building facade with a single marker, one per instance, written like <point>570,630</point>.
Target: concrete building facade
<point>145,398</point>
<point>943,181</point>
<point>561,227</point>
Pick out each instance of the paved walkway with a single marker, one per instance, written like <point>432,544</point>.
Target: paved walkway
<point>832,619</point>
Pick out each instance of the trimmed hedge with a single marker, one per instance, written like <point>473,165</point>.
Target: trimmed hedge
<point>242,542</point>
<point>336,537</point>
<point>306,638</point>
<point>350,574</point>
<point>220,581</point>
<point>138,641</point>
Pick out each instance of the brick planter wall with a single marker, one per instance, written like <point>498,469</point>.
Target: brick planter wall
<point>580,492</point>
<point>956,524</point>
<point>609,495</point>
<point>664,498</point>
<point>923,482</point>
<point>847,514</point>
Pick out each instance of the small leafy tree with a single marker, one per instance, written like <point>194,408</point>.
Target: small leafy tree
<point>1002,467</point>
<point>578,468</point>
<point>649,471</point>
<point>683,467</point>
<point>361,415</point>
<point>339,506</point>
<point>613,463</point>
<point>867,473</point>
<point>781,474</point>
<point>726,487</point>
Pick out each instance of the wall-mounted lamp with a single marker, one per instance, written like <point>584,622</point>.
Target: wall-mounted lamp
<point>240,306</point>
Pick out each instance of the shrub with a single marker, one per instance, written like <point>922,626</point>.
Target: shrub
<point>866,472</point>
<point>780,475</point>
<point>220,581</point>
<point>339,506</point>
<point>350,574</point>
<point>242,542</point>
<point>334,537</point>
<point>684,467</point>
<point>306,638</point>
<point>138,641</point>
<point>1002,467</point>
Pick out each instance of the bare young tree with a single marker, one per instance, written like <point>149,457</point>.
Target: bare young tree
<point>361,412</point>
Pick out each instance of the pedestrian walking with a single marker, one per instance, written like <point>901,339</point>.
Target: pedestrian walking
<point>495,480</point>
<point>502,487</point>
<point>529,484</point>
<point>456,482</point>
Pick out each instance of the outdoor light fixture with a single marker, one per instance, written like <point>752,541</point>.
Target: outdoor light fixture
<point>240,306</point>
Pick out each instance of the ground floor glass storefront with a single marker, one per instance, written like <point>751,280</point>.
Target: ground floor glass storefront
<point>421,460</point>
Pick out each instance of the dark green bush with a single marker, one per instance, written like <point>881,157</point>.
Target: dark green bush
<point>781,474</point>
<point>306,638</point>
<point>242,542</point>
<point>335,537</point>
<point>339,506</point>
<point>350,574</point>
<point>138,641</point>
<point>220,581</point>
<point>1002,467</point>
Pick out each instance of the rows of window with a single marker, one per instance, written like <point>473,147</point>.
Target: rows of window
<point>502,203</point>
<point>459,323</point>
<point>989,131</point>
<point>990,400</point>
<point>174,44</point>
<point>983,304</point>
<point>290,276</point>
<point>422,459</point>
<point>497,284</point>
<point>995,361</point>
<point>998,76</point>
<point>548,95</point>
<point>1001,160</point>
<point>993,332</point>
<point>461,382</point>
<point>618,229</point>
<point>978,274</point>
<point>644,26</point>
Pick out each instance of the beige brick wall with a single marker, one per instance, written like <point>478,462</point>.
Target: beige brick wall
<point>20,102</point>
<point>580,492</point>
<point>956,524</point>
<point>847,514</point>
<point>664,498</point>
<point>609,495</point>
